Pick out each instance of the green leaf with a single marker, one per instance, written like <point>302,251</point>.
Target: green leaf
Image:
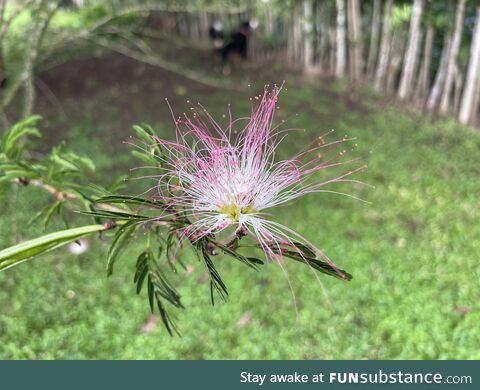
<point>115,215</point>
<point>167,321</point>
<point>16,254</point>
<point>117,185</point>
<point>69,162</point>
<point>166,289</point>
<point>305,249</point>
<point>121,237</point>
<point>125,199</point>
<point>47,213</point>
<point>252,262</point>
<point>10,170</point>
<point>144,132</point>
<point>172,246</point>
<point>61,213</point>
<point>142,156</point>
<point>11,144</point>
<point>141,270</point>
<point>153,152</point>
<point>158,287</point>
<point>216,281</point>
<point>151,291</point>
<point>319,265</point>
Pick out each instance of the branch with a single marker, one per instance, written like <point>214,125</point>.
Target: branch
<point>6,24</point>
<point>162,63</point>
<point>61,195</point>
<point>26,75</point>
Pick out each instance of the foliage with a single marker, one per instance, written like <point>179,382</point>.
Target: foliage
<point>401,15</point>
<point>127,215</point>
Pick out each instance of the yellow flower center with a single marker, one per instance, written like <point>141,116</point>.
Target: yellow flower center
<point>233,211</point>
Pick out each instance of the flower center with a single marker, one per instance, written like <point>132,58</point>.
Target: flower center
<point>234,211</point>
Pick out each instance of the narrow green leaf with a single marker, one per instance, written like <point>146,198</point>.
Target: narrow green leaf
<point>125,199</point>
<point>167,321</point>
<point>142,270</point>
<point>121,237</point>
<point>11,141</point>
<point>216,280</point>
<point>114,215</point>
<point>252,262</point>
<point>151,290</point>
<point>319,265</point>
<point>26,250</point>
<point>305,249</point>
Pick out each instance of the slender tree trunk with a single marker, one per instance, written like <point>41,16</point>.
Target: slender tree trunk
<point>341,42</point>
<point>203,23</point>
<point>436,91</point>
<point>268,19</point>
<point>322,31</point>
<point>384,46</point>
<point>423,83</point>
<point>332,36</point>
<point>457,89</point>
<point>308,35</point>
<point>2,21</point>
<point>374,35</point>
<point>411,55</point>
<point>355,40</point>
<point>476,107</point>
<point>398,47</point>
<point>472,80</point>
<point>452,58</point>
<point>295,41</point>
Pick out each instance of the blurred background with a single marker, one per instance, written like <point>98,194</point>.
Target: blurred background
<point>402,76</point>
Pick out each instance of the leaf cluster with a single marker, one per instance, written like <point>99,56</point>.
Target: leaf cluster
<point>62,172</point>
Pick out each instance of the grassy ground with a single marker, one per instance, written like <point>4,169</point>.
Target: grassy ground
<point>413,251</point>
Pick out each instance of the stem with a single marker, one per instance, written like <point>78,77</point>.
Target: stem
<point>232,241</point>
<point>61,195</point>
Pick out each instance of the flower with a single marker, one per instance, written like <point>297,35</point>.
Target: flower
<point>221,179</point>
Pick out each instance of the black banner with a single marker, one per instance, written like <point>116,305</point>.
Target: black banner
<point>74,375</point>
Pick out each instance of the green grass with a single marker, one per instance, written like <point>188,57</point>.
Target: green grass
<point>413,253</point>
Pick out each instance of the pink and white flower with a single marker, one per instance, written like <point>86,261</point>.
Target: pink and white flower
<point>221,179</point>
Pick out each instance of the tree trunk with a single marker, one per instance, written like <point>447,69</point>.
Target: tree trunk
<point>436,91</point>
<point>384,46</point>
<point>457,89</point>
<point>472,80</point>
<point>411,55</point>
<point>341,57</point>
<point>452,58</point>
<point>322,28</point>
<point>295,37</point>
<point>268,20</point>
<point>355,40</point>
<point>374,35</point>
<point>332,36</point>
<point>203,24</point>
<point>398,47</point>
<point>308,35</point>
<point>476,108</point>
<point>423,83</point>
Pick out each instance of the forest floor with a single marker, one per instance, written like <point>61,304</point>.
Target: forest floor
<point>413,250</point>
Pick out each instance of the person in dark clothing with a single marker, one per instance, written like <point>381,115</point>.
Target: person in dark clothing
<point>237,44</point>
<point>216,34</point>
